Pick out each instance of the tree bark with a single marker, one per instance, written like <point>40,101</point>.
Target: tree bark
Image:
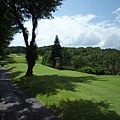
<point>31,52</point>
<point>31,63</point>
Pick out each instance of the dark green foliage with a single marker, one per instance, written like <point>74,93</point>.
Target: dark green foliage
<point>47,58</point>
<point>98,61</point>
<point>66,56</point>
<point>9,60</point>
<point>56,50</point>
<point>42,50</point>
<point>17,50</point>
<point>7,29</point>
<point>111,58</point>
<point>23,10</point>
<point>51,53</point>
<point>78,61</point>
<point>88,69</point>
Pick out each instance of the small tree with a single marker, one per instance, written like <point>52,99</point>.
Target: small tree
<point>56,50</point>
<point>31,9</point>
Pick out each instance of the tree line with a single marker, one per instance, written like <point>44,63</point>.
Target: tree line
<point>92,60</point>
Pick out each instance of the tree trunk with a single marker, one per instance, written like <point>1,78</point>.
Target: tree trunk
<point>31,57</point>
<point>31,64</point>
<point>31,49</point>
<point>30,70</point>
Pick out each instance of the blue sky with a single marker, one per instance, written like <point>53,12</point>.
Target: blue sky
<point>101,8</point>
<point>80,23</point>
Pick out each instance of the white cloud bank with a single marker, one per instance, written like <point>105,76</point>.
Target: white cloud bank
<point>76,31</point>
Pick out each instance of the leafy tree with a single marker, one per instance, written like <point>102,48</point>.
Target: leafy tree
<point>31,9</point>
<point>7,29</point>
<point>91,60</point>
<point>66,57</point>
<point>42,50</point>
<point>111,58</point>
<point>78,61</point>
<point>46,60</point>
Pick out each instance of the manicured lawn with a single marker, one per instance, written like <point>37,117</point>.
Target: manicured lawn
<point>72,95</point>
<point>20,58</point>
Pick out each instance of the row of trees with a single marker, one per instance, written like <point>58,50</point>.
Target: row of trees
<point>90,60</point>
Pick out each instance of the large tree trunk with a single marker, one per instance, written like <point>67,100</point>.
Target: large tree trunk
<point>31,63</point>
<point>31,49</point>
<point>31,54</point>
<point>31,57</point>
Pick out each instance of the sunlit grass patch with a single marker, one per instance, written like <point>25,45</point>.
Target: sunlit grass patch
<point>64,90</point>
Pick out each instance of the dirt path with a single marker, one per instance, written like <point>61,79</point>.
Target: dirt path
<point>17,105</point>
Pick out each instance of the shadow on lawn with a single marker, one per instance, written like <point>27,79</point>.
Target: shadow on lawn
<point>68,110</point>
<point>11,68</point>
<point>14,74</point>
<point>50,84</point>
<point>84,110</point>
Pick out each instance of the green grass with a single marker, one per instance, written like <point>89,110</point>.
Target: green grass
<point>20,58</point>
<point>72,95</point>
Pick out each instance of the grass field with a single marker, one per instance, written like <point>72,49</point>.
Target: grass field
<point>71,95</point>
<point>20,58</point>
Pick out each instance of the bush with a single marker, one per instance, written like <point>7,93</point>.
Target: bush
<point>100,71</point>
<point>9,60</point>
<point>87,69</point>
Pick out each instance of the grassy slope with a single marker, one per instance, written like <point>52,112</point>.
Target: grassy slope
<point>68,92</point>
<point>20,58</point>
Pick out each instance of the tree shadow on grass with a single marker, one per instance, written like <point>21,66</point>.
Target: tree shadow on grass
<point>84,110</point>
<point>11,68</point>
<point>51,84</point>
<point>14,74</point>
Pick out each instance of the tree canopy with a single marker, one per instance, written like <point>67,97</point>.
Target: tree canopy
<point>90,60</point>
<point>7,29</point>
<point>34,10</point>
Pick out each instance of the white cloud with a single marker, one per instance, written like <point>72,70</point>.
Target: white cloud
<point>75,31</point>
<point>117,12</point>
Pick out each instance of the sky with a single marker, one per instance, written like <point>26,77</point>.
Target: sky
<point>79,23</point>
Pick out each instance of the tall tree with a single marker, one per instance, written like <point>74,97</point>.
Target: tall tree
<point>31,9</point>
<point>7,29</point>
<point>56,50</point>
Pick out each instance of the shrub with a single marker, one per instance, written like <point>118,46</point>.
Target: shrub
<point>9,60</point>
<point>87,69</point>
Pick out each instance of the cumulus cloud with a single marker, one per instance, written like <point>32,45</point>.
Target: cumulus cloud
<point>117,12</point>
<point>75,31</point>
